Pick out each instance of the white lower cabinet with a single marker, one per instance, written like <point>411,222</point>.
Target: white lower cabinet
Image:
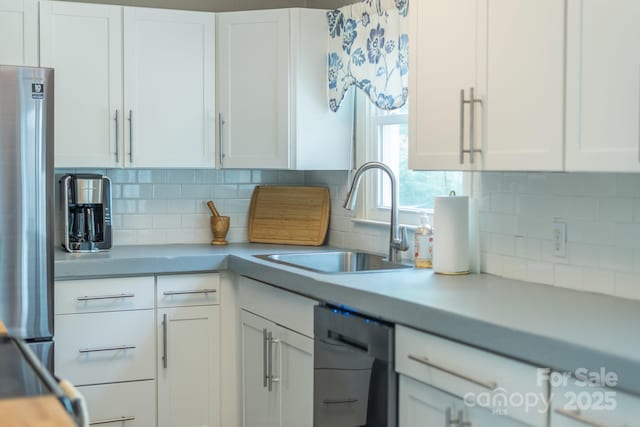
<point>423,405</point>
<point>577,405</point>
<point>472,385</point>
<point>188,350</point>
<point>276,356</point>
<point>277,374</point>
<point>130,404</point>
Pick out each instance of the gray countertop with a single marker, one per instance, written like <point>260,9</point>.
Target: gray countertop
<point>543,325</point>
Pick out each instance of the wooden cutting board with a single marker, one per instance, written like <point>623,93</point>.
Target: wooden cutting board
<point>289,215</point>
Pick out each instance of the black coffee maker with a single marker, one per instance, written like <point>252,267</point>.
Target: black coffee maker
<point>86,204</point>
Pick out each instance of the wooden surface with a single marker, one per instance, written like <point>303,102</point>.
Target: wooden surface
<point>42,411</point>
<point>289,215</point>
<point>3,329</point>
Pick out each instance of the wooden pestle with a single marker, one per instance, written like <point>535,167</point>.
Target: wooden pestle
<point>213,209</point>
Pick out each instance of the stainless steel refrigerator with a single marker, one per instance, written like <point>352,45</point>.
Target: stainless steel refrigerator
<point>26,206</point>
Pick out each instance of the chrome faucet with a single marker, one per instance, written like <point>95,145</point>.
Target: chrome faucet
<point>397,234</point>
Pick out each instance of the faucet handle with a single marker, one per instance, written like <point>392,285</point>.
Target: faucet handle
<point>401,243</point>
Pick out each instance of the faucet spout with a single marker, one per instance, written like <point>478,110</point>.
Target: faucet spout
<point>397,234</point>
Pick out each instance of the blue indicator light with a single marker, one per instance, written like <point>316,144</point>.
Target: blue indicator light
<point>335,310</point>
<point>367,320</point>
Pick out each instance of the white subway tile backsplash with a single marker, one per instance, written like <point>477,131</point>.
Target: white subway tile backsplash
<point>195,191</point>
<point>602,213</point>
<point>167,191</point>
<point>627,285</point>
<point>123,176</point>
<point>237,176</point>
<point>166,221</point>
<point>152,206</point>
<point>226,191</point>
<point>181,176</point>
<point>151,237</point>
<point>137,222</point>
<point>198,221</point>
<point>124,206</point>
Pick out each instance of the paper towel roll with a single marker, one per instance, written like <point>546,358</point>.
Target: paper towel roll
<point>451,235</point>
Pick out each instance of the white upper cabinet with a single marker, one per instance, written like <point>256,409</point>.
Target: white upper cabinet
<point>510,53</point>
<point>84,44</point>
<point>19,32</point>
<point>169,88</point>
<point>603,86</point>
<point>442,62</point>
<point>272,105</point>
<point>160,114</point>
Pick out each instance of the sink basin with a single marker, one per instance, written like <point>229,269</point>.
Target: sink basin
<point>335,262</point>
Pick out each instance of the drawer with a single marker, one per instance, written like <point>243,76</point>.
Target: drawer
<point>285,308</point>
<point>576,404</point>
<point>107,347</point>
<point>188,289</point>
<point>95,295</point>
<point>130,404</point>
<point>475,375</point>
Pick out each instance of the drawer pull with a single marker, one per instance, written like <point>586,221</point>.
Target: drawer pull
<point>576,416</point>
<point>112,420</point>
<point>99,297</point>
<point>199,291</point>
<point>97,349</point>
<point>339,402</point>
<point>164,341</point>
<point>490,385</point>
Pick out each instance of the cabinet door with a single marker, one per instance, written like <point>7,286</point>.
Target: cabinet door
<point>128,404</point>
<point>523,91</point>
<point>253,83</point>
<point>260,407</point>
<point>443,62</point>
<point>422,405</point>
<point>83,42</point>
<point>189,367</point>
<point>577,404</point>
<point>295,371</point>
<point>603,86</point>
<point>19,32</point>
<point>169,88</point>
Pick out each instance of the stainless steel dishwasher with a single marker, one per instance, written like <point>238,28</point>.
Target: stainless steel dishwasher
<point>355,383</point>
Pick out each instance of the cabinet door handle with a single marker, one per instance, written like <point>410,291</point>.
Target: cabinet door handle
<point>164,341</point>
<point>114,348</point>
<point>196,291</point>
<point>272,379</point>
<point>461,422</point>
<point>100,297</point>
<point>339,401</point>
<point>265,374</point>
<point>117,120</point>
<point>489,385</point>
<point>472,125</point>
<point>462,102</point>
<point>221,123</point>
<point>130,136</point>
<point>112,420</point>
<point>576,416</point>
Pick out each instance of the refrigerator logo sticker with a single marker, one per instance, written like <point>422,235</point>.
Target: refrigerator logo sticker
<point>37,91</point>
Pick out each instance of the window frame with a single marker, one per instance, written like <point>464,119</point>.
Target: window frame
<point>367,149</point>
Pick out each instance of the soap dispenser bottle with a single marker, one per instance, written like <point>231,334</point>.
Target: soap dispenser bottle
<point>423,244</point>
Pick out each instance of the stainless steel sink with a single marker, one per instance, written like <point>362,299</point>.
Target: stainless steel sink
<point>335,262</point>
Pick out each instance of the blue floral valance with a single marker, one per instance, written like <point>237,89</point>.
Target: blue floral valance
<point>369,48</point>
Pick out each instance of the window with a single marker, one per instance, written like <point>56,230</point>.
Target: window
<point>384,136</point>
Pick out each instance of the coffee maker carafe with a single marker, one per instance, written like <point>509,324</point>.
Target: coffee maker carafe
<point>86,204</point>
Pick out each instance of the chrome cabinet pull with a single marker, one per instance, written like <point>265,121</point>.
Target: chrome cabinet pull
<point>339,401</point>
<point>117,120</point>
<point>472,113</point>
<point>197,291</point>
<point>576,416</point>
<point>462,102</point>
<point>461,422</point>
<point>271,341</point>
<point>265,375</point>
<point>130,136</point>
<point>221,123</point>
<point>490,385</point>
<point>164,341</point>
<point>98,349</point>
<point>112,420</point>
<point>100,297</point>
